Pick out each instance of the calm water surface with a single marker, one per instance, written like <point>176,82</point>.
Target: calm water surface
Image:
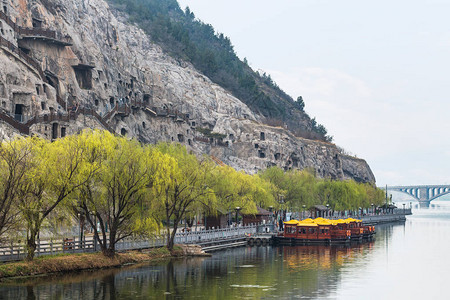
<point>406,261</point>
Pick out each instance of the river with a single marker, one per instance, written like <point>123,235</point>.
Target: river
<point>409,260</point>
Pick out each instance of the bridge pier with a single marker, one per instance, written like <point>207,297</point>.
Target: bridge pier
<point>425,204</point>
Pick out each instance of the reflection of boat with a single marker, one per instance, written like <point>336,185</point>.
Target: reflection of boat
<point>324,231</point>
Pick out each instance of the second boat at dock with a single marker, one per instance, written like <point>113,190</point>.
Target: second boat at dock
<point>325,231</point>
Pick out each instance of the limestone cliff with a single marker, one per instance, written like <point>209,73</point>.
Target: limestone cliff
<point>72,64</point>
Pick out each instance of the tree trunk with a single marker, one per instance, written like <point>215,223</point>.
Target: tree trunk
<point>172,235</point>
<point>31,246</point>
<point>108,252</point>
<point>169,243</point>
<point>112,243</point>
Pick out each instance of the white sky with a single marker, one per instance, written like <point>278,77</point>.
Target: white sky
<point>375,73</point>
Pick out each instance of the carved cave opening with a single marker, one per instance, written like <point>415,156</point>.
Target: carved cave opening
<point>295,162</point>
<point>146,99</point>
<point>84,77</point>
<point>261,154</point>
<point>21,104</point>
<point>36,23</point>
<point>54,131</point>
<point>2,89</point>
<point>18,112</point>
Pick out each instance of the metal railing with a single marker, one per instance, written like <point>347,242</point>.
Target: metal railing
<point>23,128</point>
<point>28,59</point>
<point>202,139</point>
<point>8,20</point>
<point>39,32</point>
<point>18,251</point>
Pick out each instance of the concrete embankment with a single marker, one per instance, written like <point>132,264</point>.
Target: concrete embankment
<point>379,219</point>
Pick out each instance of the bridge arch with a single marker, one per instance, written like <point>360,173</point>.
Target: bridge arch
<point>422,193</point>
<point>440,195</point>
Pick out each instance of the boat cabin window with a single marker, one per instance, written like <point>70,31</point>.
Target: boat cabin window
<point>312,230</point>
<point>291,229</point>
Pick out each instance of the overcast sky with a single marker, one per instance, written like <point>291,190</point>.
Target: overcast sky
<point>375,73</point>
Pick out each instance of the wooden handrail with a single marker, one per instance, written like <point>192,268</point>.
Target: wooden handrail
<point>23,128</point>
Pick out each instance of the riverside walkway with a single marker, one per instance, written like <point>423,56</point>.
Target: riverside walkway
<point>17,251</point>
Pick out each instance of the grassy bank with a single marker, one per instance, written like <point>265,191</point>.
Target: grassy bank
<point>78,262</point>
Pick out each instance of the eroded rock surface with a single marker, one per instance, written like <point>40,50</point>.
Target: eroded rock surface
<point>74,64</point>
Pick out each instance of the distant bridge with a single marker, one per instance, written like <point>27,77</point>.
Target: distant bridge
<point>422,193</point>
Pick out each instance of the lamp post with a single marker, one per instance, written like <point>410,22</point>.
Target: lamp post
<point>328,205</point>
<point>303,211</point>
<point>373,212</point>
<point>404,208</point>
<point>237,209</point>
<point>271,214</point>
<point>185,220</point>
<point>271,219</point>
<point>80,232</point>
<point>360,211</point>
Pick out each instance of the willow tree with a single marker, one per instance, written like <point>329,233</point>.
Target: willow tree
<point>234,189</point>
<point>111,198</point>
<point>16,158</point>
<point>57,170</point>
<point>185,187</point>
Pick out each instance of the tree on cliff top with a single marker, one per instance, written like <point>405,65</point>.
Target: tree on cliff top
<point>183,36</point>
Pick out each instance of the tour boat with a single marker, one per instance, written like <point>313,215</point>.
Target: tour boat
<point>321,230</point>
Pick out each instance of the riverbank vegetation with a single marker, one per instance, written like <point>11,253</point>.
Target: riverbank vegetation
<point>77,262</point>
<point>121,188</point>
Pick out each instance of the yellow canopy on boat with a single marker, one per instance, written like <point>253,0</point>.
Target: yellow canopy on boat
<point>309,220</point>
<point>322,221</point>
<point>306,224</point>
<point>291,222</point>
<point>352,220</point>
<point>340,221</point>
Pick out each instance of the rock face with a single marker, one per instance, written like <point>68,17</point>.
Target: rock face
<point>74,64</point>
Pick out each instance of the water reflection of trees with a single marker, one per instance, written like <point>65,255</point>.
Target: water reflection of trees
<point>247,272</point>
